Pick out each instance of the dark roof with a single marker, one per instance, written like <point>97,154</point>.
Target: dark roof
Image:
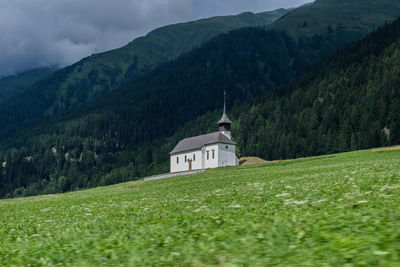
<point>225,119</point>
<point>198,142</point>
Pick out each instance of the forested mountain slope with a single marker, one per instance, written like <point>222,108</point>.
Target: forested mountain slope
<point>166,43</point>
<point>347,101</point>
<point>15,84</point>
<point>109,139</point>
<point>331,15</point>
<point>333,23</point>
<point>98,74</point>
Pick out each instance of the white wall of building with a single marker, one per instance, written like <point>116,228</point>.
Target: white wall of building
<point>194,156</point>
<point>224,155</point>
<point>227,155</point>
<point>212,160</point>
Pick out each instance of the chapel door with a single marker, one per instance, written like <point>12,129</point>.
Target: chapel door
<point>190,165</point>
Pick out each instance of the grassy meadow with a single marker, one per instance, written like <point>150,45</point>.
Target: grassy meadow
<point>336,210</point>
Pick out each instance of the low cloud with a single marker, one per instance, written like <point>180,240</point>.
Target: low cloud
<point>42,33</point>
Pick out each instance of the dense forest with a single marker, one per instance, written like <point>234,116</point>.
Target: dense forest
<point>16,84</point>
<point>340,103</point>
<point>349,100</point>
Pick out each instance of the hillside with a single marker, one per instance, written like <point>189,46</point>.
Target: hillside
<point>104,72</point>
<point>347,101</point>
<point>124,136</point>
<point>99,74</point>
<point>166,43</point>
<point>333,24</point>
<point>95,76</point>
<point>333,15</point>
<point>15,84</point>
<point>332,210</point>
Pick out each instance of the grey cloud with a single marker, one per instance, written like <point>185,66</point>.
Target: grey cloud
<point>40,33</point>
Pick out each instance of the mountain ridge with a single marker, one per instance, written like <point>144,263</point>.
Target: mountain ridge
<point>15,84</point>
<point>321,14</point>
<point>94,76</point>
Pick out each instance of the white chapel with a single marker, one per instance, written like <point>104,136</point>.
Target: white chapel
<point>206,151</point>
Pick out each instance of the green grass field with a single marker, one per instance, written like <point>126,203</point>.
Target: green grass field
<point>337,210</point>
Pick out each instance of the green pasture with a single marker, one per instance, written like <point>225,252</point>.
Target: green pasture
<point>336,210</point>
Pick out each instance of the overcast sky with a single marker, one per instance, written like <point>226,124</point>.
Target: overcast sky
<point>39,33</point>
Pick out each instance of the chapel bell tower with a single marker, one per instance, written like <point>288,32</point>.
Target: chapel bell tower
<point>225,123</point>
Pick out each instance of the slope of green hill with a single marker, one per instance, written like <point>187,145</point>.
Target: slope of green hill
<point>335,210</point>
<point>123,132</point>
<point>334,23</point>
<point>166,43</point>
<point>16,84</point>
<point>98,74</point>
<point>347,101</point>
<point>354,17</point>
<point>104,72</point>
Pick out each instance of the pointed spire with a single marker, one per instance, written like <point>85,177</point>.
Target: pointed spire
<point>224,102</point>
<point>225,119</point>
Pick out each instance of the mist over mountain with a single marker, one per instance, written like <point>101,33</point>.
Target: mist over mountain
<point>100,73</point>
<point>37,34</point>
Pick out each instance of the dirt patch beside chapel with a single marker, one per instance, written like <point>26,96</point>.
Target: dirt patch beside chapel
<point>386,149</point>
